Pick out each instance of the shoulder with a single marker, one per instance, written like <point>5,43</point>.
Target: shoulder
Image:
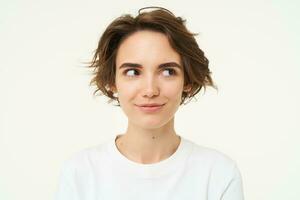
<point>213,160</point>
<point>82,159</point>
<point>214,166</point>
<point>209,154</point>
<point>218,170</point>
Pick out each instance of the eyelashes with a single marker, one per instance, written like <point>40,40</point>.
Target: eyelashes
<point>133,71</point>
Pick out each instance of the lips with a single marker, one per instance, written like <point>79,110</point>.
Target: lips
<point>149,108</point>
<point>150,105</point>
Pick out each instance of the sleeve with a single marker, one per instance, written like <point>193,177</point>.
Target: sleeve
<point>234,189</point>
<point>66,189</point>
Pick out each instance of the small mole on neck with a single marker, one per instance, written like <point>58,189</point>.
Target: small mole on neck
<point>153,137</point>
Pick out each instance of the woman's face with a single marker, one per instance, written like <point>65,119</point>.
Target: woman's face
<point>148,71</point>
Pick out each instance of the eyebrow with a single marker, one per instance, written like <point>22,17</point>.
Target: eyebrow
<point>163,65</point>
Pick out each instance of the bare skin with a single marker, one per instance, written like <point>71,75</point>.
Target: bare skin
<point>150,137</point>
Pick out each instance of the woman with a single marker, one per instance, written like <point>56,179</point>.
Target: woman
<point>150,64</point>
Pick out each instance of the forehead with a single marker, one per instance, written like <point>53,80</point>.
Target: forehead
<point>146,47</point>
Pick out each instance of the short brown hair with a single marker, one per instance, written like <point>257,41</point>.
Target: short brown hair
<point>195,64</point>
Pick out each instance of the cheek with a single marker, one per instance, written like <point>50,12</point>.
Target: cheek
<point>126,91</point>
<point>173,90</point>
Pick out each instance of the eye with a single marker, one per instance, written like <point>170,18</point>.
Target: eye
<point>134,72</point>
<point>171,71</point>
<point>130,72</point>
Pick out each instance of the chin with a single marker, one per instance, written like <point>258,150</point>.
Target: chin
<point>153,122</point>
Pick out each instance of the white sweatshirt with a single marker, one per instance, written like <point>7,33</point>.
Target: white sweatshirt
<point>193,172</point>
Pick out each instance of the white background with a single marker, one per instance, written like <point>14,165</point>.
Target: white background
<point>47,111</point>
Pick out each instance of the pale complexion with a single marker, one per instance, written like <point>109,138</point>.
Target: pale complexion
<point>150,137</point>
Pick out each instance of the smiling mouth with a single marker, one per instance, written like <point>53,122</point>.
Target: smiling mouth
<point>148,108</point>
<point>150,104</point>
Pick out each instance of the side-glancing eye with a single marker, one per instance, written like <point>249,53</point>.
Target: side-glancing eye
<point>173,71</point>
<point>133,72</point>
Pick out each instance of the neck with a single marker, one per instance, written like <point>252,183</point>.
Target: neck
<point>148,145</point>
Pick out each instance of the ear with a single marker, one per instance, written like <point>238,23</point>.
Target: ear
<point>113,89</point>
<point>187,88</point>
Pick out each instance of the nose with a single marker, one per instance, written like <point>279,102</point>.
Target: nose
<point>150,87</point>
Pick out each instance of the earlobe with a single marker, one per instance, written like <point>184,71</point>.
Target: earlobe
<point>113,89</point>
<point>187,88</point>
